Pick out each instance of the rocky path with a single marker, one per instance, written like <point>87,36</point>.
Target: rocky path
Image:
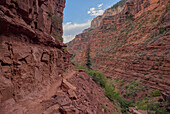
<point>69,74</point>
<point>78,93</point>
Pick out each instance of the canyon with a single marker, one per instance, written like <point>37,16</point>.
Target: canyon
<point>36,74</point>
<point>129,43</point>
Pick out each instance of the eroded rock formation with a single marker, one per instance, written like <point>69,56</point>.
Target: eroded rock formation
<point>33,63</point>
<point>44,15</point>
<point>132,44</point>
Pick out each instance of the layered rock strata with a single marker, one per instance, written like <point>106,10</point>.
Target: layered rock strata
<point>33,62</point>
<point>132,44</point>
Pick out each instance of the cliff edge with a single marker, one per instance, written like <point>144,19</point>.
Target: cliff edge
<point>131,45</point>
<point>36,75</point>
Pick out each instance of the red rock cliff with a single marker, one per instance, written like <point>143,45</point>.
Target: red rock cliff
<point>36,75</point>
<point>30,59</point>
<point>133,44</point>
<point>117,8</point>
<point>44,15</point>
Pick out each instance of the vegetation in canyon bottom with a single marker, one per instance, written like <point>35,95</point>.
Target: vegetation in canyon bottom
<point>149,37</point>
<point>150,104</point>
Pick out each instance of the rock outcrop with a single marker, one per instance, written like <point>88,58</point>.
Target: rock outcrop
<point>115,9</point>
<point>132,44</point>
<point>44,15</point>
<point>33,62</point>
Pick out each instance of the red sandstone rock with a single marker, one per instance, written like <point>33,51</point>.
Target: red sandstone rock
<point>67,86</point>
<point>128,45</point>
<point>32,62</point>
<point>90,96</point>
<point>44,15</point>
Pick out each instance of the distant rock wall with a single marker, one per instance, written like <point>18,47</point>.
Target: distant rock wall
<point>109,12</point>
<point>96,22</point>
<point>132,44</point>
<point>136,8</point>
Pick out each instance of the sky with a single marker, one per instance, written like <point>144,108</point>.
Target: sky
<point>78,15</point>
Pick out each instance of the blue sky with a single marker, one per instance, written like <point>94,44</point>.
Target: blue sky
<point>79,13</point>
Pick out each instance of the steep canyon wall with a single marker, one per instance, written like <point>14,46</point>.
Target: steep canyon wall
<point>31,60</point>
<point>36,75</point>
<point>132,44</point>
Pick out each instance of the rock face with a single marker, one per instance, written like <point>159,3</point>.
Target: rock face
<point>117,8</point>
<point>132,44</point>
<point>96,22</point>
<point>44,15</point>
<point>30,59</point>
<point>33,63</point>
<point>90,97</point>
<point>80,94</point>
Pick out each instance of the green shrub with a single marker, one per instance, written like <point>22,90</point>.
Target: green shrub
<point>132,88</point>
<point>113,95</point>
<point>156,93</point>
<point>88,58</point>
<point>56,20</point>
<point>73,57</point>
<point>50,14</point>
<point>58,37</point>
<point>80,67</point>
<point>122,82</point>
<point>140,25</point>
<point>99,78</point>
<point>82,77</point>
<point>110,92</point>
<point>156,83</point>
<point>166,103</point>
<point>142,105</point>
<point>130,17</point>
<point>64,48</point>
<point>160,100</point>
<point>158,2</point>
<point>165,39</point>
<point>153,20</point>
<point>162,30</point>
<point>146,73</point>
<point>105,107</point>
<point>167,8</point>
<point>150,107</point>
<point>156,109</point>
<point>12,5</point>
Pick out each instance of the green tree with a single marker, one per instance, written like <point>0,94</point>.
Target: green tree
<point>88,59</point>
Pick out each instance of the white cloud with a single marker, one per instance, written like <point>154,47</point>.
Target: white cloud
<point>96,12</point>
<point>92,9</point>
<point>72,29</point>
<point>68,38</point>
<point>100,5</point>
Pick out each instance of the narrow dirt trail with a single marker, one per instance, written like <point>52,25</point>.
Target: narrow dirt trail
<point>69,75</point>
